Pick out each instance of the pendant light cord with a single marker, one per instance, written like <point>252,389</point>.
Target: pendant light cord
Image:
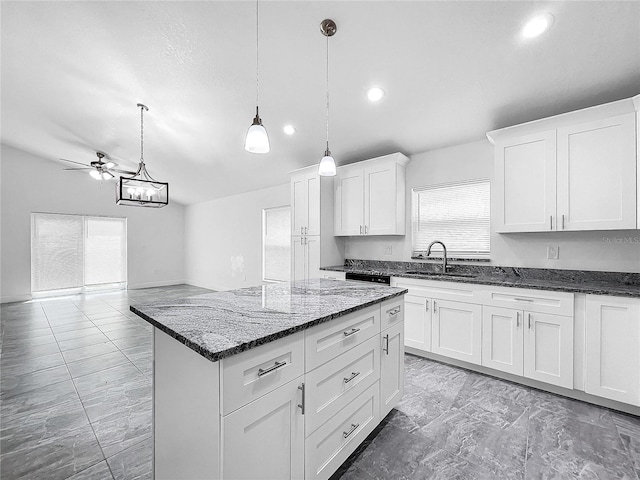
<point>142,134</point>
<point>327,93</point>
<point>257,55</point>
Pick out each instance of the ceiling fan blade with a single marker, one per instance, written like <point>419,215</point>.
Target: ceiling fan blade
<point>78,163</point>
<point>79,168</point>
<point>122,171</point>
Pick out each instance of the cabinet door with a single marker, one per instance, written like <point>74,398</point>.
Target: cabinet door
<point>313,205</point>
<point>417,322</point>
<point>380,200</point>
<point>298,258</point>
<point>612,348</point>
<point>548,348</point>
<point>457,330</point>
<point>349,202</point>
<point>525,186</point>
<point>502,339</point>
<point>597,175</point>
<point>265,439</point>
<point>312,245</point>
<point>392,368</point>
<point>299,204</point>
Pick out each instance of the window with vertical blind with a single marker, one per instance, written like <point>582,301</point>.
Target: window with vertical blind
<point>276,244</point>
<point>75,251</point>
<point>457,214</point>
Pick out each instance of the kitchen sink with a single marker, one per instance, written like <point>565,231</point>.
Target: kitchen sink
<point>441,274</point>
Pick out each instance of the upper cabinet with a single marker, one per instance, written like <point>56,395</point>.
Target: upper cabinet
<point>305,202</point>
<point>575,171</point>
<point>370,197</point>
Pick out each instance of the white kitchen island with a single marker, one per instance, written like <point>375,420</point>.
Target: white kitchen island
<point>282,381</point>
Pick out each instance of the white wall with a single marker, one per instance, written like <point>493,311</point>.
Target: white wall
<point>224,238</point>
<point>617,251</point>
<point>155,237</point>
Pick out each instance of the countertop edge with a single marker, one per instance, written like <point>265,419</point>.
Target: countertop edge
<point>215,356</point>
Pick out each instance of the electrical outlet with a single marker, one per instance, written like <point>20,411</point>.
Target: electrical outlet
<point>388,250</point>
<point>553,252</point>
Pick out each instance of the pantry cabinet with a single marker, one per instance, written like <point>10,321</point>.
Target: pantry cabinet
<point>575,171</point>
<point>305,203</point>
<point>370,197</point>
<point>612,350</point>
<point>305,260</point>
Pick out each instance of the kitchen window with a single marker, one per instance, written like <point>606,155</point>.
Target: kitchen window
<point>276,244</point>
<point>457,214</point>
<point>77,252</point>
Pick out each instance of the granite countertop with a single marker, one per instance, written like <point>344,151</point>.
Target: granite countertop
<point>221,324</point>
<point>574,281</point>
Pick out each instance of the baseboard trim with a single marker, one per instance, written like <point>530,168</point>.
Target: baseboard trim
<point>165,283</point>
<point>15,298</point>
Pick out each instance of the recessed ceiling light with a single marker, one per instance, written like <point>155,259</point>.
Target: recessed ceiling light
<point>289,129</point>
<point>537,25</point>
<point>375,94</point>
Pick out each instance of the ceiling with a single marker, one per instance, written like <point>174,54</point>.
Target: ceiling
<point>73,72</point>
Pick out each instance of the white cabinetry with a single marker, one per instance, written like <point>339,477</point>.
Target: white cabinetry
<point>312,242</point>
<point>456,330</point>
<point>391,368</point>
<point>370,197</point>
<point>503,339</point>
<point>417,323</point>
<point>575,171</point>
<point>612,350</point>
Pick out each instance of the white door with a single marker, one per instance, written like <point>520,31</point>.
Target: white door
<point>298,258</point>
<point>502,339</point>
<point>299,204</point>
<point>392,368</point>
<point>525,183</point>
<point>272,429</point>
<point>548,348</point>
<point>313,257</point>
<point>613,348</point>
<point>380,199</point>
<point>597,175</point>
<point>417,322</point>
<point>349,202</point>
<point>457,330</point>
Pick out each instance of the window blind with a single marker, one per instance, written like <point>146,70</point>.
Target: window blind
<point>456,214</point>
<point>56,251</point>
<point>276,244</point>
<point>105,251</point>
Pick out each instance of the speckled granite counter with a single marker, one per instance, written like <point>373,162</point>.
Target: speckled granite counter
<point>574,281</point>
<point>221,324</point>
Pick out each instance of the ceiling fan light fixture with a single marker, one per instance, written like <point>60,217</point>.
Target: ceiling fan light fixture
<point>141,189</point>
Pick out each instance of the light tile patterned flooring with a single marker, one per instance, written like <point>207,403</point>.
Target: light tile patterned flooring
<point>75,393</point>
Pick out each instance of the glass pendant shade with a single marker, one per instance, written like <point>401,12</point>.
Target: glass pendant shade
<point>257,140</point>
<point>327,167</point>
<point>137,192</point>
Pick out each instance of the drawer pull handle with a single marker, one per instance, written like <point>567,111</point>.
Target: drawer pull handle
<point>301,405</point>
<point>275,366</point>
<point>386,347</point>
<point>353,330</point>
<point>353,375</point>
<point>518,299</point>
<point>517,319</point>
<point>353,428</point>
<point>529,317</point>
<point>393,311</point>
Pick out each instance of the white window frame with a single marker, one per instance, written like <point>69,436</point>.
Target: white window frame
<point>419,251</point>
<point>264,249</point>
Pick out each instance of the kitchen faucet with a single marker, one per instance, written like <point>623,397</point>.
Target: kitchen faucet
<point>444,257</point>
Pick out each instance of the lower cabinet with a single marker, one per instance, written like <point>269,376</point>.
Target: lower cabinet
<point>417,322</point>
<point>456,330</point>
<point>536,345</point>
<point>265,439</point>
<point>612,350</point>
<point>391,368</point>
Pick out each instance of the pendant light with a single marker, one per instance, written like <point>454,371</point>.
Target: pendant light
<point>327,167</point>
<point>257,140</point>
<point>142,190</point>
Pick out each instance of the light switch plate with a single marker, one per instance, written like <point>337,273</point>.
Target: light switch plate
<point>553,252</point>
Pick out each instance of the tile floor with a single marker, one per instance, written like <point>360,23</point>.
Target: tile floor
<point>75,393</point>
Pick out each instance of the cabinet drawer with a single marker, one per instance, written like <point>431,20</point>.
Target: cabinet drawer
<point>391,312</point>
<point>457,292</point>
<point>541,301</point>
<point>334,384</point>
<point>327,341</point>
<point>331,444</point>
<point>258,371</point>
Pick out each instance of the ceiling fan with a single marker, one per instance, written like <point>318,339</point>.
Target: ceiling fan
<point>99,169</point>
